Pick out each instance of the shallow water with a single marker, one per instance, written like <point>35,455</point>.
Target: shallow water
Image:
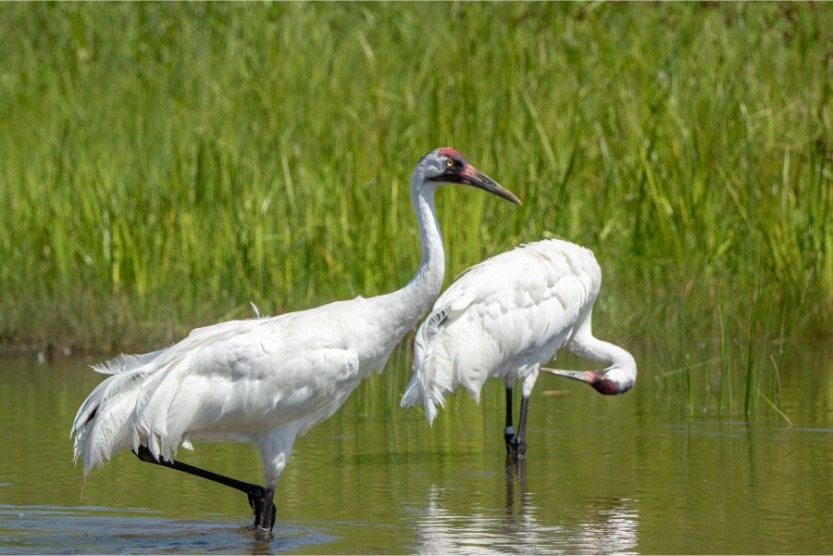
<point>629,474</point>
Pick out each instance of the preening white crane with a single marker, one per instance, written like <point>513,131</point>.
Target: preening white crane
<point>507,316</point>
<point>266,380</point>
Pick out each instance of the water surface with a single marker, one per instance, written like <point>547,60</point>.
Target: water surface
<point>630,474</point>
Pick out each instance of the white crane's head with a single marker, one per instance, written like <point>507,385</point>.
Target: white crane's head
<point>616,379</point>
<point>447,166</point>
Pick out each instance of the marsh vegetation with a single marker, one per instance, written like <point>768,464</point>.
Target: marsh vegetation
<point>165,165</point>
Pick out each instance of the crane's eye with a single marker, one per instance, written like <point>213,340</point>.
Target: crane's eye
<point>449,163</point>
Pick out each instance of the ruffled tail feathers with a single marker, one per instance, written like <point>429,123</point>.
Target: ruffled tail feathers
<point>429,384</point>
<point>104,423</point>
<point>415,392</point>
<point>94,446</point>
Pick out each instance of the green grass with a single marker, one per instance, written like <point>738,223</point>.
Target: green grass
<point>164,164</point>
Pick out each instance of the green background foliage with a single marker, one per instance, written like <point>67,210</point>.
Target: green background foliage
<point>165,164</point>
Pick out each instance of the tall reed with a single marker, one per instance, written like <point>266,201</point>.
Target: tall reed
<point>165,164</point>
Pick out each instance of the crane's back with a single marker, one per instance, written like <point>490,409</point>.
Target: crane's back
<point>505,315</point>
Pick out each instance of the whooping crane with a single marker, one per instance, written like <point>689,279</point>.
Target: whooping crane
<point>267,380</point>
<point>507,316</point>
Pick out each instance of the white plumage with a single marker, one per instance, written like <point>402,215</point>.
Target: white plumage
<point>507,316</point>
<point>266,380</point>
<point>239,380</point>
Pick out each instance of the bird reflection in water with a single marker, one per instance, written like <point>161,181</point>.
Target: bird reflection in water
<point>606,525</point>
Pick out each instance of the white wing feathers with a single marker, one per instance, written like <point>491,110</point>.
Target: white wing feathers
<point>511,311</point>
<point>125,362</point>
<point>218,383</point>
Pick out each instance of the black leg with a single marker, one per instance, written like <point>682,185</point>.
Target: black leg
<point>256,494</point>
<point>520,437</point>
<point>266,520</point>
<point>515,440</point>
<point>509,431</point>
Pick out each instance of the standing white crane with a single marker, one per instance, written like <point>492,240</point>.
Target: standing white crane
<point>507,316</point>
<point>266,380</point>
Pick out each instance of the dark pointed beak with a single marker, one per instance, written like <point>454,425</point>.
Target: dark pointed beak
<point>474,177</point>
<point>588,377</point>
<point>598,380</point>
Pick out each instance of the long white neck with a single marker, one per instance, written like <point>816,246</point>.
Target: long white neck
<point>406,306</point>
<point>428,280</point>
<point>594,349</point>
<point>424,288</point>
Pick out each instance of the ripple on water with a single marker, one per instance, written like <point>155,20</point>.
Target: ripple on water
<point>98,530</point>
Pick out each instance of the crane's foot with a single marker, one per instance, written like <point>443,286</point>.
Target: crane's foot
<point>515,448</point>
<point>509,437</point>
<point>258,500</point>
